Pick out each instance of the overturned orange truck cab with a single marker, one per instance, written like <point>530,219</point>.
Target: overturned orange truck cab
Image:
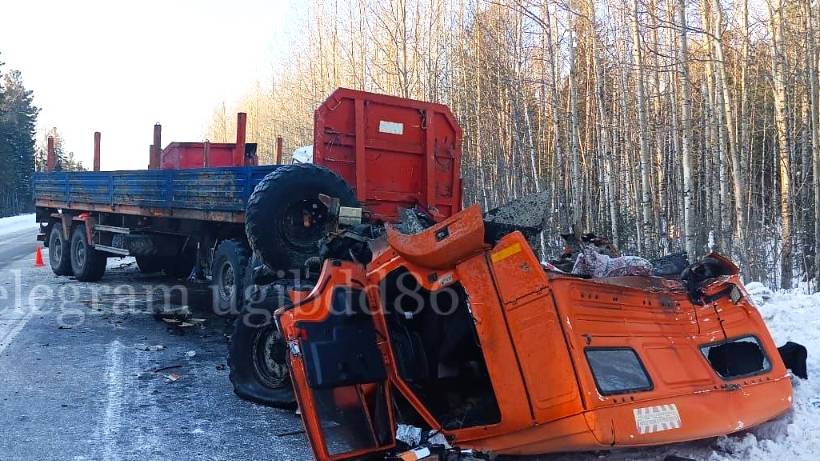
<point>475,340</point>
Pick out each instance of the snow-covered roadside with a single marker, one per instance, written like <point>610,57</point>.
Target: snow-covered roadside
<point>17,223</point>
<point>790,316</point>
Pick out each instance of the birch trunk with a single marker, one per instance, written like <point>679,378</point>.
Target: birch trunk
<point>643,136</point>
<point>690,229</point>
<point>577,184</point>
<point>815,135</point>
<point>604,121</point>
<point>784,160</point>
<point>814,118</point>
<point>728,115</point>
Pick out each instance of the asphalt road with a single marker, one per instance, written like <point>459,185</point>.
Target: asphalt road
<point>78,375</point>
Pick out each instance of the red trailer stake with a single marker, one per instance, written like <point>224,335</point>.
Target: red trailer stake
<point>97,136</point>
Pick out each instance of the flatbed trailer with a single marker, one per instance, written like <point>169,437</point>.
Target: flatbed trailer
<point>217,195</point>
<point>205,209</point>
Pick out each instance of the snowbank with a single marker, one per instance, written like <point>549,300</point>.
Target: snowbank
<point>17,223</point>
<point>794,317</point>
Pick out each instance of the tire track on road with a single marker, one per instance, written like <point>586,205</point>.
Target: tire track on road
<point>123,439</point>
<point>15,246</point>
<point>115,396</point>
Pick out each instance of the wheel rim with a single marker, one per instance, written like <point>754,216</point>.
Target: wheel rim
<point>55,248</point>
<point>227,281</point>
<point>80,253</point>
<point>270,357</point>
<point>304,222</point>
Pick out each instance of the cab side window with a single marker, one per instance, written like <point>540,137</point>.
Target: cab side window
<point>617,370</point>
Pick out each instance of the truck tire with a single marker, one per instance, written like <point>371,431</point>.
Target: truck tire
<point>87,263</point>
<point>230,274</point>
<point>257,356</point>
<point>59,251</point>
<point>285,220</point>
<point>149,264</point>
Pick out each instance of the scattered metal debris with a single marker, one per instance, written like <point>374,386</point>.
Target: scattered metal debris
<point>167,367</point>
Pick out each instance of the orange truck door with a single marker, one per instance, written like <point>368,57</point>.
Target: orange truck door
<point>338,370</point>
<point>535,329</point>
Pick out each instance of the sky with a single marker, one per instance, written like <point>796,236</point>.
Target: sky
<point>118,67</point>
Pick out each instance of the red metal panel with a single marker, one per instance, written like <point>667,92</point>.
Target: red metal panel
<point>188,155</point>
<point>395,152</point>
<point>184,155</point>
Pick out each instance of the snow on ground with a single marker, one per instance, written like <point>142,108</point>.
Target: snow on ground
<point>16,223</point>
<point>790,316</point>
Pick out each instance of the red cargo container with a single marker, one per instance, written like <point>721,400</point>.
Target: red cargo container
<point>186,155</point>
<point>394,152</point>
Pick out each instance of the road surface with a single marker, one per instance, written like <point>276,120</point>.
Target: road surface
<point>18,240</point>
<point>78,380</point>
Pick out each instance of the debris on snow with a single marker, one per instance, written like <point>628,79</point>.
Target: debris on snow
<point>167,367</point>
<point>759,293</point>
<point>596,265</point>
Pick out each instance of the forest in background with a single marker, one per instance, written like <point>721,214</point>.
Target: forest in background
<point>21,154</point>
<point>18,118</point>
<point>667,125</point>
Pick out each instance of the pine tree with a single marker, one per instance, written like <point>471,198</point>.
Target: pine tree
<point>21,118</point>
<point>7,181</point>
<point>18,118</point>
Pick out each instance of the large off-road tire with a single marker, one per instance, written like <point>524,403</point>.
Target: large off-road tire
<point>87,263</point>
<point>257,355</point>
<point>150,264</point>
<point>285,220</point>
<point>230,275</point>
<point>59,251</point>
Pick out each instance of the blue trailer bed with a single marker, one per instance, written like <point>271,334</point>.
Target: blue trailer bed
<point>208,194</point>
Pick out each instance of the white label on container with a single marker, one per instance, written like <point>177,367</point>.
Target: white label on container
<point>391,127</point>
<point>656,419</point>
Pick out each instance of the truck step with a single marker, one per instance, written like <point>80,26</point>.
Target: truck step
<point>113,229</point>
<point>116,251</point>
